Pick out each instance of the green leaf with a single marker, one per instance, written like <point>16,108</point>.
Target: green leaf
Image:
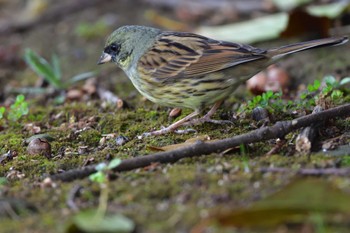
<point>98,177</point>
<point>20,98</point>
<point>42,68</point>
<point>330,80</point>
<point>101,166</point>
<point>18,108</point>
<point>332,10</point>
<point>344,81</point>
<point>56,66</point>
<point>336,94</point>
<point>303,95</point>
<point>314,87</point>
<point>80,77</point>
<point>2,111</point>
<point>90,221</point>
<point>114,163</point>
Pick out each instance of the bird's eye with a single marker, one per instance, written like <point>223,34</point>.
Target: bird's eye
<point>114,48</point>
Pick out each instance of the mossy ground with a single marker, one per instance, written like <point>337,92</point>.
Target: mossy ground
<point>160,198</point>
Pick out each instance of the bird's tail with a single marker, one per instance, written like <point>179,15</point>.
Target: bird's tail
<point>294,48</point>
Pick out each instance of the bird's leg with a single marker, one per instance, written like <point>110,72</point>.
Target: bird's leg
<point>173,126</point>
<point>211,112</point>
<point>207,117</point>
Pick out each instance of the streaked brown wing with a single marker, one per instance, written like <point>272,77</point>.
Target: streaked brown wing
<point>188,55</point>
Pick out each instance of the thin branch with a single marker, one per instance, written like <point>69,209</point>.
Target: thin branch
<point>278,130</point>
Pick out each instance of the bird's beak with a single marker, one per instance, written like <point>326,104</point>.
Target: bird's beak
<point>105,57</point>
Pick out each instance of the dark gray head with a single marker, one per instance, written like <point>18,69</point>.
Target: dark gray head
<point>127,44</point>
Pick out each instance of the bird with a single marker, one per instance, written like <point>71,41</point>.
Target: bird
<point>187,70</point>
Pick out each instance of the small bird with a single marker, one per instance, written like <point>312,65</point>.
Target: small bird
<point>186,70</point>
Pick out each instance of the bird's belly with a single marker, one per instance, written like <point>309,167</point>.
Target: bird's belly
<point>194,92</point>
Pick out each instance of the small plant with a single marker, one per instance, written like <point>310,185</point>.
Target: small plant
<point>97,220</point>
<point>333,87</point>
<point>51,72</point>
<point>265,100</point>
<point>308,96</point>
<point>100,176</point>
<point>331,90</point>
<point>18,109</point>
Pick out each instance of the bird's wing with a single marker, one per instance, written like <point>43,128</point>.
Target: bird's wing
<point>187,55</point>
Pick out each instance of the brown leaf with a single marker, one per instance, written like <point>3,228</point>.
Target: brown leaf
<point>294,203</point>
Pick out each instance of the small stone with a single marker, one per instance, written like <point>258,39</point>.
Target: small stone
<point>39,146</point>
<point>90,86</point>
<point>121,104</point>
<point>32,128</point>
<point>74,94</point>
<point>48,183</point>
<point>14,174</point>
<point>102,141</point>
<point>175,112</point>
<point>7,156</point>
<point>83,150</point>
<point>121,140</point>
<point>260,114</point>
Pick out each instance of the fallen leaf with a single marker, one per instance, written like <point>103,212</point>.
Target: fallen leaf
<point>296,202</point>
<point>88,221</point>
<point>254,30</point>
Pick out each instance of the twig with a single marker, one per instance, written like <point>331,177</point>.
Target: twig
<point>309,171</point>
<point>278,130</point>
<point>279,144</point>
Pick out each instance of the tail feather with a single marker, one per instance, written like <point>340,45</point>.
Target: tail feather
<point>276,53</point>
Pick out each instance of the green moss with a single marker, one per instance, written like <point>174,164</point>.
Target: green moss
<point>90,137</point>
<point>11,141</point>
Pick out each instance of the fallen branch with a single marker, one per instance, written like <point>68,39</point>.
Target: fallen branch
<point>278,130</point>
<point>309,171</point>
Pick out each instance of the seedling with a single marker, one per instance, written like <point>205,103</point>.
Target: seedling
<point>51,72</point>
<point>18,109</point>
<point>265,100</point>
<point>99,221</point>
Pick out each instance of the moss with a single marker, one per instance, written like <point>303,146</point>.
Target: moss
<point>11,141</point>
<point>90,137</point>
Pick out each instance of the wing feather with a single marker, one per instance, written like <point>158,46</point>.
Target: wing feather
<point>188,55</point>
